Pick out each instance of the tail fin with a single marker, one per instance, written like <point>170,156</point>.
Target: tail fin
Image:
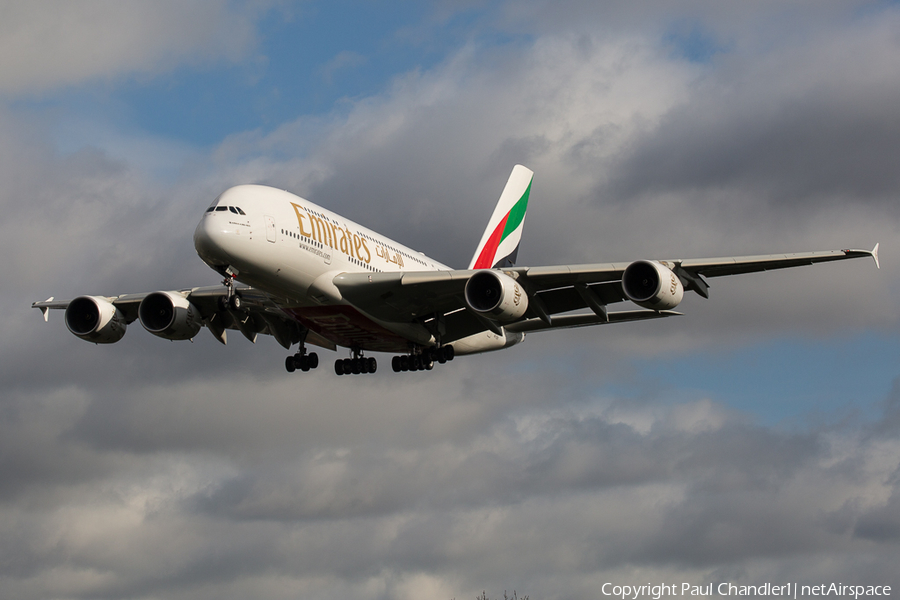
<point>500,243</point>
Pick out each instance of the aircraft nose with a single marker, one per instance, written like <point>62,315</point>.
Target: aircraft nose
<point>210,240</point>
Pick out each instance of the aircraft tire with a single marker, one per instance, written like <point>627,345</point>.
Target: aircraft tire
<point>404,363</point>
<point>313,360</point>
<point>289,364</point>
<point>303,363</point>
<point>448,352</point>
<point>372,364</point>
<point>339,366</point>
<point>395,364</point>
<point>235,302</point>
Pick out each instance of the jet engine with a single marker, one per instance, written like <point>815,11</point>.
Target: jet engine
<point>651,284</point>
<point>169,315</point>
<point>496,296</point>
<point>95,319</point>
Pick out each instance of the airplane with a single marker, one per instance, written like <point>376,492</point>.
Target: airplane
<point>308,276</point>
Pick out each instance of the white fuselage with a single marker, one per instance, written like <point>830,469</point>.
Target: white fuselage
<point>292,249</point>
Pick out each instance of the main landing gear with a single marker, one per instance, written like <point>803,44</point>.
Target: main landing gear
<point>301,361</point>
<point>357,365</point>
<point>423,360</point>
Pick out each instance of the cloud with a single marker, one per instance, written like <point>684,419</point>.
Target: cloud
<point>45,46</point>
<point>344,60</point>
<point>794,127</point>
<point>547,500</point>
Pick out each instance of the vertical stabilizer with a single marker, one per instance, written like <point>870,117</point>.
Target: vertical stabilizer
<point>500,243</point>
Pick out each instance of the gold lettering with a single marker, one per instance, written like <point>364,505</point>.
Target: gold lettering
<point>300,216</point>
<point>368,257</point>
<point>356,244</point>
<point>320,230</point>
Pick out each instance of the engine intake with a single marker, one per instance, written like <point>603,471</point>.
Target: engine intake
<point>95,319</point>
<point>169,315</point>
<point>651,284</point>
<point>496,296</point>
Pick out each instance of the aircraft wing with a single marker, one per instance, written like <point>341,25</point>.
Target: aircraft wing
<point>258,314</point>
<point>438,297</point>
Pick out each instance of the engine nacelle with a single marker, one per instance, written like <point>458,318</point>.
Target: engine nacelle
<point>169,315</point>
<point>652,285</point>
<point>95,319</point>
<point>496,295</point>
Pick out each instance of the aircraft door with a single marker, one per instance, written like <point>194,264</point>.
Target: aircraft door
<point>270,228</point>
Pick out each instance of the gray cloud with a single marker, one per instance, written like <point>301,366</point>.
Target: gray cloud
<point>821,136</point>
<point>49,45</point>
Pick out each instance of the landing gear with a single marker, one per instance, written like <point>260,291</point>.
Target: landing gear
<point>301,360</point>
<point>231,300</point>
<point>357,365</point>
<point>422,360</point>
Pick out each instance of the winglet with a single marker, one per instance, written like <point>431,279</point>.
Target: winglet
<point>875,255</point>
<point>46,309</point>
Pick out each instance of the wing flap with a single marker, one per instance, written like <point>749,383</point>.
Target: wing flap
<point>587,320</point>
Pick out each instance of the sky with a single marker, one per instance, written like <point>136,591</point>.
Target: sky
<point>754,439</point>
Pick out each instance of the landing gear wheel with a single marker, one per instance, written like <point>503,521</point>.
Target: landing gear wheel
<point>235,303</point>
<point>339,366</point>
<point>372,364</point>
<point>395,364</point>
<point>289,364</point>
<point>313,360</point>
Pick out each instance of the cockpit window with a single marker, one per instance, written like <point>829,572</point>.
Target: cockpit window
<point>221,208</point>
<point>210,209</point>
<point>233,209</point>
<point>240,211</point>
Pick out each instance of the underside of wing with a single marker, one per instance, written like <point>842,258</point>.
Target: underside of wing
<point>179,315</point>
<point>438,299</point>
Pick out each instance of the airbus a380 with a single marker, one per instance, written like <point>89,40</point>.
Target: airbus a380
<point>307,276</point>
